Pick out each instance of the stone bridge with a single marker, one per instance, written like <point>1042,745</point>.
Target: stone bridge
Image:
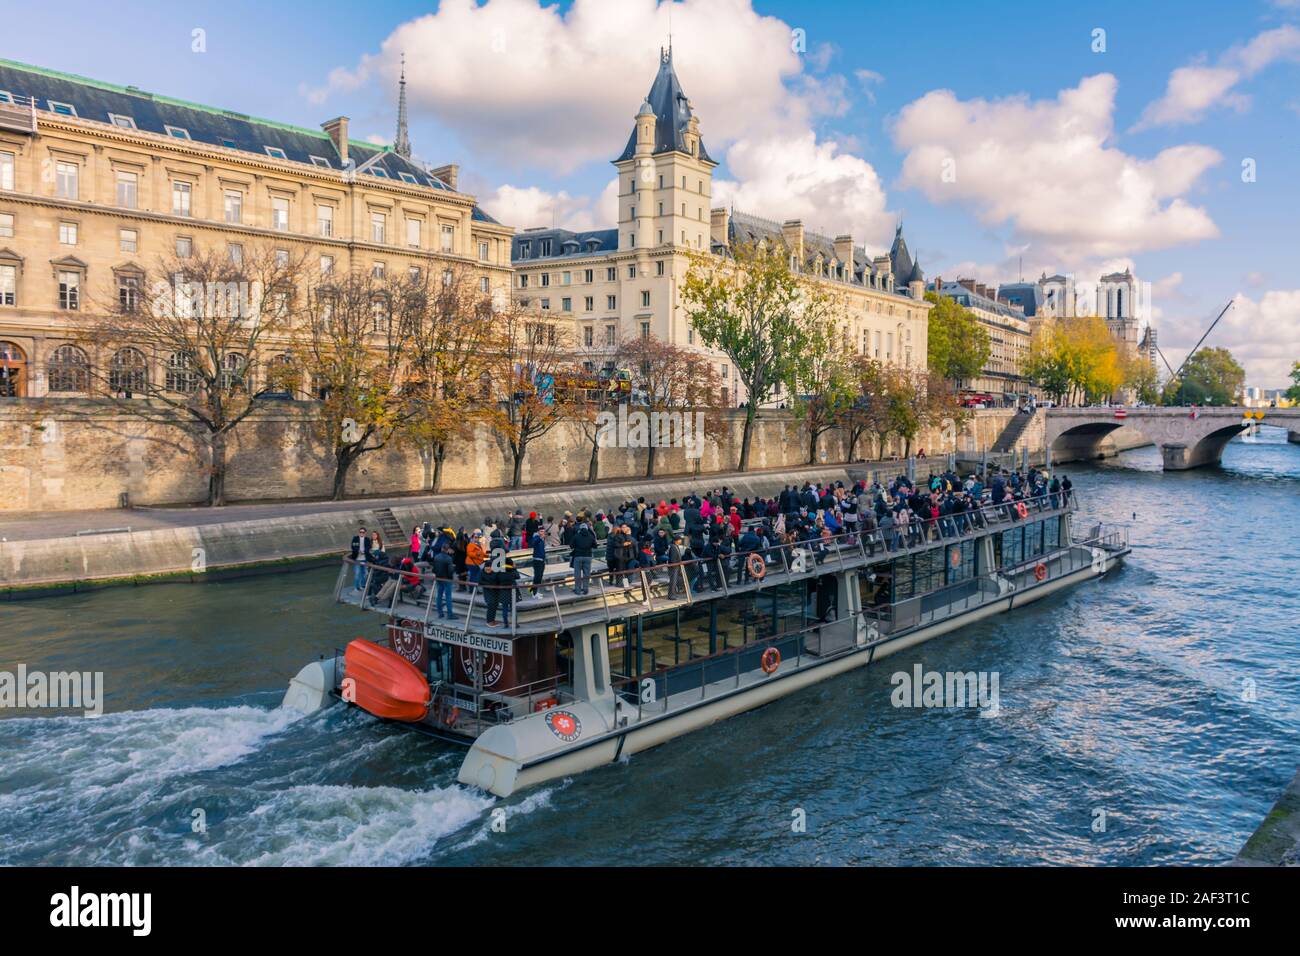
<point>1184,441</point>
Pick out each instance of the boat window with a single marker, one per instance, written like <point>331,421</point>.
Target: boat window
<point>1013,547</point>
<point>597,668</point>
<point>1052,533</point>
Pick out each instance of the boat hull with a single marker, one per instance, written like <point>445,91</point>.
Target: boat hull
<point>523,754</point>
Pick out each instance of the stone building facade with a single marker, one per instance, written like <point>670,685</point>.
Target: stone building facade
<point>610,285</point>
<point>96,180</point>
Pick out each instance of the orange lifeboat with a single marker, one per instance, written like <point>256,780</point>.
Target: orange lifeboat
<point>384,683</point>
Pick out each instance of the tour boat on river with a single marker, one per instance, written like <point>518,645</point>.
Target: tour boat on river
<point>580,680</point>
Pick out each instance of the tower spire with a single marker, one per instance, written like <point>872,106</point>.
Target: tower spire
<point>402,143</point>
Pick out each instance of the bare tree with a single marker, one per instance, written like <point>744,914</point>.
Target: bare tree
<point>527,403</point>
<point>183,339</point>
<point>673,382</point>
<point>454,342</point>
<point>353,338</point>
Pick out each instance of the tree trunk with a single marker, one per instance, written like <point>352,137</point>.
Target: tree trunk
<point>217,472</point>
<point>343,459</point>
<point>750,413</point>
<point>650,461</point>
<point>439,455</point>
<point>593,468</point>
<point>812,446</point>
<point>518,476</point>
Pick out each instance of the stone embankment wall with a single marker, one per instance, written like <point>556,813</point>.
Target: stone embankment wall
<point>70,454</point>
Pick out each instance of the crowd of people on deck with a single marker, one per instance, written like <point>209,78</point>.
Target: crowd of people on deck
<point>715,530</point>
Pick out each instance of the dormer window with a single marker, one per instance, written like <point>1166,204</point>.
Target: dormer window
<point>177,132</point>
<point>275,152</point>
<point>408,178</point>
<point>122,122</point>
<point>321,161</point>
<point>63,109</point>
<point>379,171</point>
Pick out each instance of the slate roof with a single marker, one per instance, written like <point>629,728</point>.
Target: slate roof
<point>672,113</point>
<point>149,112</point>
<point>565,244</point>
<point>1027,295</point>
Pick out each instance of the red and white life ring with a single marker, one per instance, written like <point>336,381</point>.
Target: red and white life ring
<point>771,660</point>
<point>1021,509</point>
<point>1040,572</point>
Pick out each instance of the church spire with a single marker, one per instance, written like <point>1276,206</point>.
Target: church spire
<point>402,144</point>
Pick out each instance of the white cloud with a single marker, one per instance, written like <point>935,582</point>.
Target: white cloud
<point>541,87</point>
<point>1260,333</point>
<point>800,178</point>
<point>526,207</point>
<point>1194,90</point>
<point>1049,170</point>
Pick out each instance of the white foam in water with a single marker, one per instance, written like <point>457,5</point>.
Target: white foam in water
<point>328,825</point>
<point>144,746</point>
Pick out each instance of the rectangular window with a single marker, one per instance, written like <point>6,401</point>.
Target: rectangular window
<point>6,170</point>
<point>63,109</point>
<point>70,291</point>
<point>589,303</point>
<point>588,275</point>
<point>645,330</point>
<point>275,152</point>
<point>611,335</point>
<point>8,285</point>
<point>611,274</point>
<point>279,214</point>
<point>523,281</point>
<point>413,273</point>
<point>68,233</point>
<point>611,302</point>
<point>321,161</point>
<point>122,122</point>
<point>281,258</point>
<point>378,227</point>
<point>128,190</point>
<point>631,272</point>
<point>128,293</point>
<point>234,206</point>
<point>181,196</point>
<point>483,285</point>
<point>566,278</point>
<point>128,240</point>
<point>448,238</point>
<point>413,230</point>
<point>588,335</point>
<point>659,268</point>
<point>184,247</point>
<point>645,298</point>
<point>6,225</point>
<point>482,252</point>
<point>566,304</point>
<point>378,270</point>
<point>546,304</point>
<point>325,221</point>
<point>66,176</point>
<point>236,253</point>
<point>177,132</point>
<point>546,279</point>
<point>326,265</point>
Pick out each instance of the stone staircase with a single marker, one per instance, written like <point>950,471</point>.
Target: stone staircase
<point>1013,432</point>
<point>394,534</point>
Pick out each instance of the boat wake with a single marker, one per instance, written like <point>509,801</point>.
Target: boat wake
<point>237,785</point>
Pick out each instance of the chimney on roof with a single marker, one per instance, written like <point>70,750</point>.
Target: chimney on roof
<point>844,253</point>
<point>792,232</point>
<point>967,284</point>
<point>447,174</point>
<point>337,129</point>
<point>720,225</point>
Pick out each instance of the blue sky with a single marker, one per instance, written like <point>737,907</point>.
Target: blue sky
<point>1068,158</point>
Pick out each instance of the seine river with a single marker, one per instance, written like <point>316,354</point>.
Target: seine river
<point>1151,717</point>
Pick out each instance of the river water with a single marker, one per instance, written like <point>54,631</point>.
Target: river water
<point>1151,717</point>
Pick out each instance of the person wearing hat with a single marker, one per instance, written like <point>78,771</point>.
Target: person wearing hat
<point>475,555</point>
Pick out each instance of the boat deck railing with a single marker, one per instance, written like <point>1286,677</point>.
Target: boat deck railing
<point>641,590</point>
<point>704,677</point>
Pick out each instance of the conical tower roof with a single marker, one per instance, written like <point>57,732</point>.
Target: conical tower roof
<point>672,111</point>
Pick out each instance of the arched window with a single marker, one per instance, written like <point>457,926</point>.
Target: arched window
<point>283,375</point>
<point>13,371</point>
<point>181,376</point>
<point>128,371</point>
<point>68,370</point>
<point>233,370</point>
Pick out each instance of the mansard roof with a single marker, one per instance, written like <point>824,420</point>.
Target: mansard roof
<point>565,243</point>
<point>152,113</point>
<point>672,111</point>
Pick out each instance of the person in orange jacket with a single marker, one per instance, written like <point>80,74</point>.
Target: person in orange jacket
<point>475,555</point>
